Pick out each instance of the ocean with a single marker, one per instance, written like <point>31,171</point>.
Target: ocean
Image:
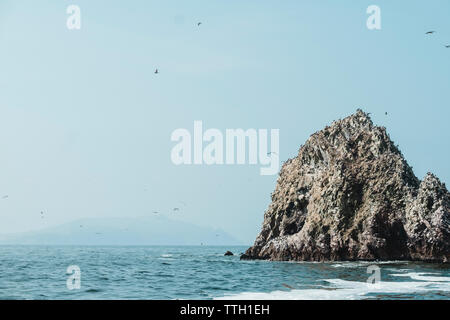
<point>203,272</point>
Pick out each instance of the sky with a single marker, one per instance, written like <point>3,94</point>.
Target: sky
<point>85,123</point>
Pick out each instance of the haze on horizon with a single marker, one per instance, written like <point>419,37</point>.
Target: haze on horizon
<point>85,123</point>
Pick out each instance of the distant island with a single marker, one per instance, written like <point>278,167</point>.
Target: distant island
<point>151,230</point>
<point>351,195</point>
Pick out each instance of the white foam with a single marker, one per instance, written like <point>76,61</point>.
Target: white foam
<point>343,289</point>
<point>422,276</point>
<point>363,263</point>
<point>166,257</point>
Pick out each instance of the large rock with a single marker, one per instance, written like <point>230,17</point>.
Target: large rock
<point>350,195</point>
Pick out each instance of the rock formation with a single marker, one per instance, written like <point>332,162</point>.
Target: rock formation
<point>350,195</point>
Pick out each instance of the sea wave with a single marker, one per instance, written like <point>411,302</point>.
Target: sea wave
<point>423,276</point>
<point>357,264</point>
<point>339,289</point>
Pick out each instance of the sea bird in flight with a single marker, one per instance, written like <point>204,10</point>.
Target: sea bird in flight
<point>156,71</point>
<point>430,32</point>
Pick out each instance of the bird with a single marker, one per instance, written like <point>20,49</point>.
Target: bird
<point>156,71</point>
<point>198,24</point>
<point>447,46</point>
<point>287,286</point>
<point>176,209</point>
<point>155,212</point>
<point>430,32</point>
<point>385,113</point>
<point>42,214</point>
<point>4,197</point>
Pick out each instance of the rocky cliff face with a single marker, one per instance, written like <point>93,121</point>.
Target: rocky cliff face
<point>350,195</point>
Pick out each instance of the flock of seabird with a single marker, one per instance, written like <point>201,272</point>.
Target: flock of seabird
<point>175,209</point>
<point>427,33</point>
<point>198,25</point>
<point>178,209</point>
<point>433,32</point>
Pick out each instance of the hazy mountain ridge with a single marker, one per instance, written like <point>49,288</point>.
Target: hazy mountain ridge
<point>154,230</point>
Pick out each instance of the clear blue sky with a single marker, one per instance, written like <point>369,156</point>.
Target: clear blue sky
<point>85,124</point>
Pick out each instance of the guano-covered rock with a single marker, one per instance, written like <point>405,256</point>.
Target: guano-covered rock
<point>350,195</point>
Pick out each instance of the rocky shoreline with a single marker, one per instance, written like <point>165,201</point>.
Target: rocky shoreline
<point>351,195</point>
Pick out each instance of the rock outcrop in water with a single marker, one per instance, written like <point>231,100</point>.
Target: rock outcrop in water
<point>350,195</point>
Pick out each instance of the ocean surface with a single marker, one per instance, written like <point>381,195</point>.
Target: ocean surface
<point>202,272</point>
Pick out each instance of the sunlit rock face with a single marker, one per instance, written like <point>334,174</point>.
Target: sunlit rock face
<point>350,195</point>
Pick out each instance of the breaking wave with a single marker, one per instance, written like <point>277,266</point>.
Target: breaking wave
<point>339,289</point>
